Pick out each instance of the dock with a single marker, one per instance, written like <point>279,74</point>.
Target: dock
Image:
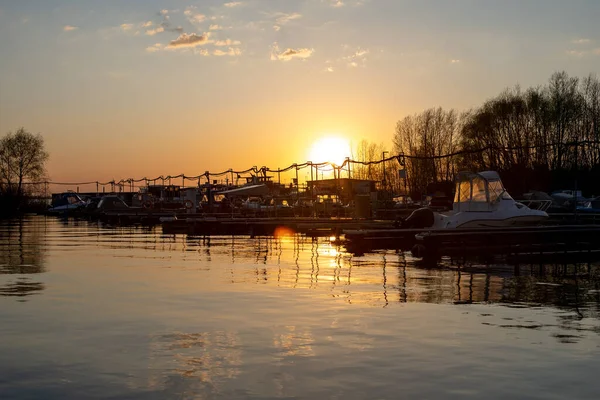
<point>270,226</point>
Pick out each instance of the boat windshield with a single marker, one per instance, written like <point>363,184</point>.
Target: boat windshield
<point>479,193</point>
<point>497,191</point>
<point>463,192</point>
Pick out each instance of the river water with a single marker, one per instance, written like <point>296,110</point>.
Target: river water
<point>90,311</point>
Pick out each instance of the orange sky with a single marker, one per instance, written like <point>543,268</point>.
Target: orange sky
<point>163,87</point>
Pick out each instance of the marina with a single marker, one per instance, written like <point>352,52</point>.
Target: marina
<point>483,220</point>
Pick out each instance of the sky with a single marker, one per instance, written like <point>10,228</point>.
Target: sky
<point>138,88</point>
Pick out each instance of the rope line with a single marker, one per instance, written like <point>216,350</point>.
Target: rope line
<point>400,158</point>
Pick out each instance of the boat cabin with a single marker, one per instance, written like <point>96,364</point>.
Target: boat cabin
<point>478,192</point>
<point>108,203</point>
<point>67,199</point>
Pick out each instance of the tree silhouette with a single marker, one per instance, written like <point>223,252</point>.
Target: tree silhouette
<point>22,158</point>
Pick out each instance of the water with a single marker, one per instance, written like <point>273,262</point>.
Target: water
<point>129,313</point>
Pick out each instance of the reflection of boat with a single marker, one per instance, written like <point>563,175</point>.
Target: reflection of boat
<point>67,201</point>
<point>480,201</point>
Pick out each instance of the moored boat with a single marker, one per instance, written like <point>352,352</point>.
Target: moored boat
<point>480,201</point>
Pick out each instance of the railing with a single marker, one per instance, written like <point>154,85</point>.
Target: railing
<point>541,205</point>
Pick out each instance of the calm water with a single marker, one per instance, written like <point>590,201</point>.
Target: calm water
<point>129,313</point>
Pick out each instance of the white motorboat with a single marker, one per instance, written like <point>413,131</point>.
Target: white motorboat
<point>480,201</point>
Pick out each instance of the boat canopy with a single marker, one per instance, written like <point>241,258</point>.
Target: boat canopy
<point>67,199</point>
<point>478,191</point>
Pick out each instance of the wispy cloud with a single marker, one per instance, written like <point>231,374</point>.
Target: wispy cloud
<point>230,52</point>
<point>577,53</point>
<point>192,40</point>
<point>215,27</point>
<point>146,24</point>
<point>455,61</point>
<point>227,42</point>
<point>342,3</point>
<point>126,27</point>
<point>289,54</point>
<point>193,16</point>
<point>232,4</point>
<point>152,32</point>
<point>154,48</point>
<point>581,41</point>
<point>357,58</point>
<point>284,18</point>
<point>69,28</point>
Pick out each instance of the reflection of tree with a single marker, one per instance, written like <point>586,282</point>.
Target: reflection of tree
<point>21,288</point>
<point>21,253</point>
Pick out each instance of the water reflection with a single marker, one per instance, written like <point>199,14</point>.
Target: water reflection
<point>206,360</point>
<point>22,253</point>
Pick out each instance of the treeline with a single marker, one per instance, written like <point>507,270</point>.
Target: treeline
<point>543,138</point>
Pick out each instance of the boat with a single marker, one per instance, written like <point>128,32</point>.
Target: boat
<point>65,202</point>
<point>480,201</point>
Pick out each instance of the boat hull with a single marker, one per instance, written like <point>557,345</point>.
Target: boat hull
<point>522,220</point>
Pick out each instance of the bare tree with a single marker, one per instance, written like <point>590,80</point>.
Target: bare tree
<point>424,137</point>
<point>22,158</point>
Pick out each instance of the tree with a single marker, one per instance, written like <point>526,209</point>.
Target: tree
<point>425,137</point>
<point>22,158</point>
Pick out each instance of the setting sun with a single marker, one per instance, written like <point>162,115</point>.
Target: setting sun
<point>330,148</point>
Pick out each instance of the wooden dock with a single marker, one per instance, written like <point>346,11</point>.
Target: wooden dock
<point>537,241</point>
<point>269,226</point>
<point>534,242</point>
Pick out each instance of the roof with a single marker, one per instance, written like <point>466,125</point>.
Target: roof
<point>252,190</point>
<point>487,175</point>
<point>490,175</point>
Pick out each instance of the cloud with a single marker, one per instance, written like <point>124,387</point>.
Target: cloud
<point>215,27</point>
<point>358,57</point>
<point>288,54</point>
<point>283,18</point>
<point>193,16</point>
<point>233,4</point>
<point>329,69</point>
<point>576,53</point>
<point>146,24</point>
<point>126,27</point>
<point>342,3</point>
<point>154,48</point>
<point>152,32</point>
<point>191,40</point>
<point>454,61</point>
<point>227,42</point>
<point>69,28</point>
<point>230,52</point>
<point>581,41</point>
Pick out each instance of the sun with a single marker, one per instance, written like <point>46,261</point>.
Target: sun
<point>334,149</point>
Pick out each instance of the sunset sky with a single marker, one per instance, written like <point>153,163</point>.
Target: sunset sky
<point>141,88</point>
